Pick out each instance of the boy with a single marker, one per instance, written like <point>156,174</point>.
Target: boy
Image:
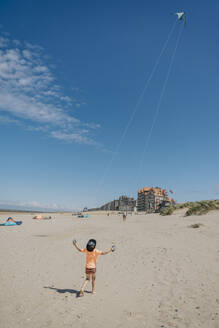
<point>91,260</point>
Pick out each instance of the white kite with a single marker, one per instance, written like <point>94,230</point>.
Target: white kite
<point>181,16</point>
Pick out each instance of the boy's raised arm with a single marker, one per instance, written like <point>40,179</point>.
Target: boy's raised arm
<point>76,246</point>
<point>112,249</point>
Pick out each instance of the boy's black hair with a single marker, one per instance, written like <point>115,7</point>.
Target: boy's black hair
<point>91,245</point>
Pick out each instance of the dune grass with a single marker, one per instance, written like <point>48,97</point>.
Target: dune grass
<point>195,225</point>
<point>167,210</point>
<point>194,208</point>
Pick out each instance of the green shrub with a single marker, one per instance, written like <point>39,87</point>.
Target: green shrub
<point>203,207</point>
<point>194,208</point>
<point>195,225</point>
<point>167,210</point>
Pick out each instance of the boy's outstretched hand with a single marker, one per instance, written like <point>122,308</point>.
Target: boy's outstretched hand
<point>113,248</point>
<point>74,241</point>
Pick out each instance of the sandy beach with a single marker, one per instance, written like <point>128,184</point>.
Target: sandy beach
<point>163,273</point>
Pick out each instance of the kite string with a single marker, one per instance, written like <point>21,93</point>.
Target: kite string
<point>107,169</point>
<point>148,137</point>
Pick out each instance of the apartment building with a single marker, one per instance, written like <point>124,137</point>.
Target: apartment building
<point>150,199</point>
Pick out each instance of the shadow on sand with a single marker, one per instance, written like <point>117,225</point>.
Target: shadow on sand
<point>70,291</point>
<point>41,235</point>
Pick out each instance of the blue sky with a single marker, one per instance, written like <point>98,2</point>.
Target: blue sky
<point>71,74</point>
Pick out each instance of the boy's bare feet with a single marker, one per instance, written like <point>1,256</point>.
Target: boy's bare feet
<point>93,292</point>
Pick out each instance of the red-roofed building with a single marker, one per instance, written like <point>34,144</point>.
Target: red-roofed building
<point>150,199</point>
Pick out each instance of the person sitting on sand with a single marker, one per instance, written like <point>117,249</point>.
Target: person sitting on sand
<point>10,219</point>
<point>91,260</point>
<point>38,217</point>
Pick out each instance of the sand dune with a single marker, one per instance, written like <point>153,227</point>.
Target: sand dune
<point>163,273</point>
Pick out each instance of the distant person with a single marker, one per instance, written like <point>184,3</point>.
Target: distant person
<point>124,217</point>
<point>10,219</point>
<point>38,217</point>
<point>91,260</point>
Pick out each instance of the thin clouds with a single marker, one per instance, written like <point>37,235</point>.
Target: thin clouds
<point>3,42</point>
<point>29,94</point>
<point>75,89</point>
<point>78,105</point>
<point>4,119</point>
<point>80,138</point>
<point>33,205</point>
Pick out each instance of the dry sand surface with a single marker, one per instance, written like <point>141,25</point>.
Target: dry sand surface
<point>163,273</point>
